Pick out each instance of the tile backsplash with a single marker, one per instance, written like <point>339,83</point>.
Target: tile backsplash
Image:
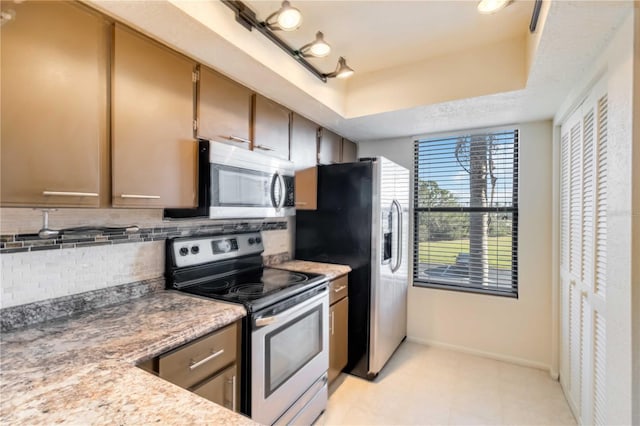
<point>100,261</point>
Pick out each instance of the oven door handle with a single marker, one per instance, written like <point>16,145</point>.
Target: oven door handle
<point>292,311</point>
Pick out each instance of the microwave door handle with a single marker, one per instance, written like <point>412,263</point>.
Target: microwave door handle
<point>283,191</point>
<point>273,190</point>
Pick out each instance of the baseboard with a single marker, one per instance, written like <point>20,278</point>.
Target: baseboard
<point>492,355</point>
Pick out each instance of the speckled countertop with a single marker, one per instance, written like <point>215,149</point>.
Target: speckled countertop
<point>329,269</point>
<point>82,370</point>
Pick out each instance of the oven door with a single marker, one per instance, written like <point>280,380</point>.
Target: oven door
<point>289,354</point>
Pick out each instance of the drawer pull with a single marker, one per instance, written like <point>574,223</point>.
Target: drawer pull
<point>195,365</point>
<point>339,289</point>
<point>264,147</point>
<point>139,196</point>
<point>70,194</point>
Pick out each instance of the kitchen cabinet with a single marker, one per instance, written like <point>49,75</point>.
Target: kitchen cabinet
<point>54,106</point>
<point>349,151</point>
<point>306,189</point>
<point>207,366</point>
<point>304,142</point>
<point>338,326</point>
<point>329,147</point>
<point>224,109</point>
<point>152,110</point>
<point>270,128</point>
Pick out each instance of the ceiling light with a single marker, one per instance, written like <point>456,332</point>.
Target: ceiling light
<point>491,6</point>
<point>317,48</point>
<point>287,18</point>
<point>342,70</point>
<point>6,16</point>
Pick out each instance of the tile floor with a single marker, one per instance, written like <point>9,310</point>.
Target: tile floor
<point>429,386</point>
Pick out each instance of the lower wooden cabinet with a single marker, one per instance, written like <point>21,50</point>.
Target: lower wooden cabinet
<point>223,389</point>
<point>207,366</point>
<point>338,330</point>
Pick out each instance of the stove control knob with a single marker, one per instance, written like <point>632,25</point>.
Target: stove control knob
<point>184,251</point>
<point>258,240</point>
<point>195,249</point>
<point>252,241</point>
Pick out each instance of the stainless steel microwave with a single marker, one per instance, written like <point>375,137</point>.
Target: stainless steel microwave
<point>238,183</point>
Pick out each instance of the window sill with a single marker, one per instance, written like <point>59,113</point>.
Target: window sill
<point>489,292</point>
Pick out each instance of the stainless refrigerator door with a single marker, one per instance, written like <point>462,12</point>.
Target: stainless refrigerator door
<point>389,254</point>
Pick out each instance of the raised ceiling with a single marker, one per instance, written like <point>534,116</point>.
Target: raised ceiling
<point>375,35</point>
<point>422,66</point>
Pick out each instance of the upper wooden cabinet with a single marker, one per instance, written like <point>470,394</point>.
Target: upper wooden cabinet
<point>304,138</point>
<point>329,147</point>
<point>224,109</point>
<point>349,151</point>
<point>153,149</point>
<point>54,106</point>
<point>270,128</point>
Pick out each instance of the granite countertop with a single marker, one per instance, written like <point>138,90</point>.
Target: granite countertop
<point>82,370</point>
<point>331,270</point>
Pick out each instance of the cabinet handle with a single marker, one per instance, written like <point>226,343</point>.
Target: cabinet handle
<point>339,289</point>
<point>264,147</point>
<point>238,139</point>
<point>70,194</point>
<point>139,196</point>
<point>233,394</point>
<point>193,365</point>
<point>332,322</point>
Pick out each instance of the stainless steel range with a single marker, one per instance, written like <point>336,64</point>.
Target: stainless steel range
<point>285,334</point>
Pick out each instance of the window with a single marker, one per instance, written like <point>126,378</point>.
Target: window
<point>466,213</point>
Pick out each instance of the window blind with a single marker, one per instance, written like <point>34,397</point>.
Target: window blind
<point>466,212</point>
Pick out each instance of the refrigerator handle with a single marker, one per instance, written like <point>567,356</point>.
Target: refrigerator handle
<point>398,207</point>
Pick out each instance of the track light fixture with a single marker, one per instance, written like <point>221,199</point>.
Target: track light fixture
<point>287,18</point>
<point>317,48</point>
<point>342,70</point>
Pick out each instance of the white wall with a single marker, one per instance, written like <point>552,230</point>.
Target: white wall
<point>615,65</point>
<point>517,330</point>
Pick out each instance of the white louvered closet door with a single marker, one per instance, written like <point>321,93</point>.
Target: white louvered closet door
<point>583,233</point>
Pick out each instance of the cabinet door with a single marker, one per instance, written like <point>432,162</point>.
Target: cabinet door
<point>349,151</point>
<point>154,153</point>
<point>223,389</point>
<point>329,147</point>
<point>306,189</point>
<point>270,128</point>
<point>54,105</point>
<point>224,109</point>
<point>338,337</point>
<point>304,142</point>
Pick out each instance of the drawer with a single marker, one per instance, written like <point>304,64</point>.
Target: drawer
<point>222,388</point>
<point>338,289</point>
<point>196,361</point>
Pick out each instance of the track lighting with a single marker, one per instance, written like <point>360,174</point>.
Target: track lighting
<point>491,6</point>
<point>287,18</point>
<point>342,70</point>
<point>317,48</point>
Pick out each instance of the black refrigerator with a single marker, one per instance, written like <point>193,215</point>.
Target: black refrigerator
<point>361,220</point>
